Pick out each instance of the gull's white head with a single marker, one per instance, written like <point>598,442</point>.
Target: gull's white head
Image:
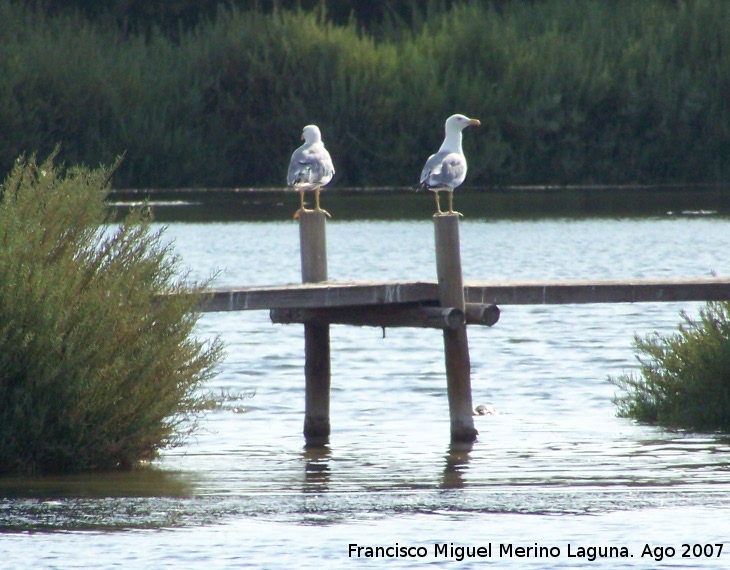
<point>454,125</point>
<point>459,123</point>
<point>311,134</point>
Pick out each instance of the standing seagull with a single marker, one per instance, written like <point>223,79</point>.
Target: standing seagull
<point>310,167</point>
<point>446,169</point>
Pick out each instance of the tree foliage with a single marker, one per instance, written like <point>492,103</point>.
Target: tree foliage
<point>98,365</point>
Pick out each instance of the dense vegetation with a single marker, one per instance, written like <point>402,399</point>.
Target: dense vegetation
<point>569,91</point>
<point>684,379</point>
<point>97,369</point>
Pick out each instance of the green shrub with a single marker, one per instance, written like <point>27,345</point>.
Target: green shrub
<point>684,379</point>
<point>98,368</point>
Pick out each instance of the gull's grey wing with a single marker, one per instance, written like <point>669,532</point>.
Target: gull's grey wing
<point>310,167</point>
<point>444,170</point>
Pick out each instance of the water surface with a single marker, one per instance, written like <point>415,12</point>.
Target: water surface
<point>554,467</point>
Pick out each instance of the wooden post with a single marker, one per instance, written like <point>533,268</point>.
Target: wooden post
<point>456,345</point>
<point>313,245</point>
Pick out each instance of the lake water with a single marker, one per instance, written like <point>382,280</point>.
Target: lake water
<point>555,470</point>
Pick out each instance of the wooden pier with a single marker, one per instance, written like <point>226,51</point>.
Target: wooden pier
<point>447,304</point>
<point>388,294</point>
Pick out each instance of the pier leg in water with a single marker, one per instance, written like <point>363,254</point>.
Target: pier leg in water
<point>456,345</point>
<point>317,373</point>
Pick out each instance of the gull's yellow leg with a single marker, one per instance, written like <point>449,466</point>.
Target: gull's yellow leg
<point>451,205</point>
<point>316,203</point>
<point>301,205</point>
<point>438,203</point>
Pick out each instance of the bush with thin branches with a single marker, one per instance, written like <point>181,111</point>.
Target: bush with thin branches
<point>684,378</point>
<point>99,366</point>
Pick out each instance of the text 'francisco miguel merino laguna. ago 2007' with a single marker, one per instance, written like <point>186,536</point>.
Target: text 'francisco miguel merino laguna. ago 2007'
<point>510,550</point>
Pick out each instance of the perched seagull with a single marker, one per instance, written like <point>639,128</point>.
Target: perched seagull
<point>310,167</point>
<point>446,169</point>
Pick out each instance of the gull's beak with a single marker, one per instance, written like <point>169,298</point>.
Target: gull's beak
<point>475,122</point>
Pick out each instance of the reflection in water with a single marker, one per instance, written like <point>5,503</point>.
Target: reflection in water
<point>143,498</point>
<point>215,205</point>
<point>316,469</point>
<point>457,463</point>
<point>142,482</point>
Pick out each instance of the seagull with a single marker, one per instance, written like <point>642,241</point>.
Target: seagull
<point>446,169</point>
<point>310,167</point>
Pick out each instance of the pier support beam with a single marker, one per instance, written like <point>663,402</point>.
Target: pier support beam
<point>385,316</point>
<point>456,345</point>
<point>317,372</point>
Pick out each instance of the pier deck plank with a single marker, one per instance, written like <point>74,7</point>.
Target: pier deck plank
<point>364,293</point>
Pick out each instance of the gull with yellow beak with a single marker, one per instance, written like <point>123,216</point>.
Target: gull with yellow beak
<point>446,169</point>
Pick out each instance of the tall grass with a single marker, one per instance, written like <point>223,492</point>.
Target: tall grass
<point>98,368</point>
<point>574,91</point>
